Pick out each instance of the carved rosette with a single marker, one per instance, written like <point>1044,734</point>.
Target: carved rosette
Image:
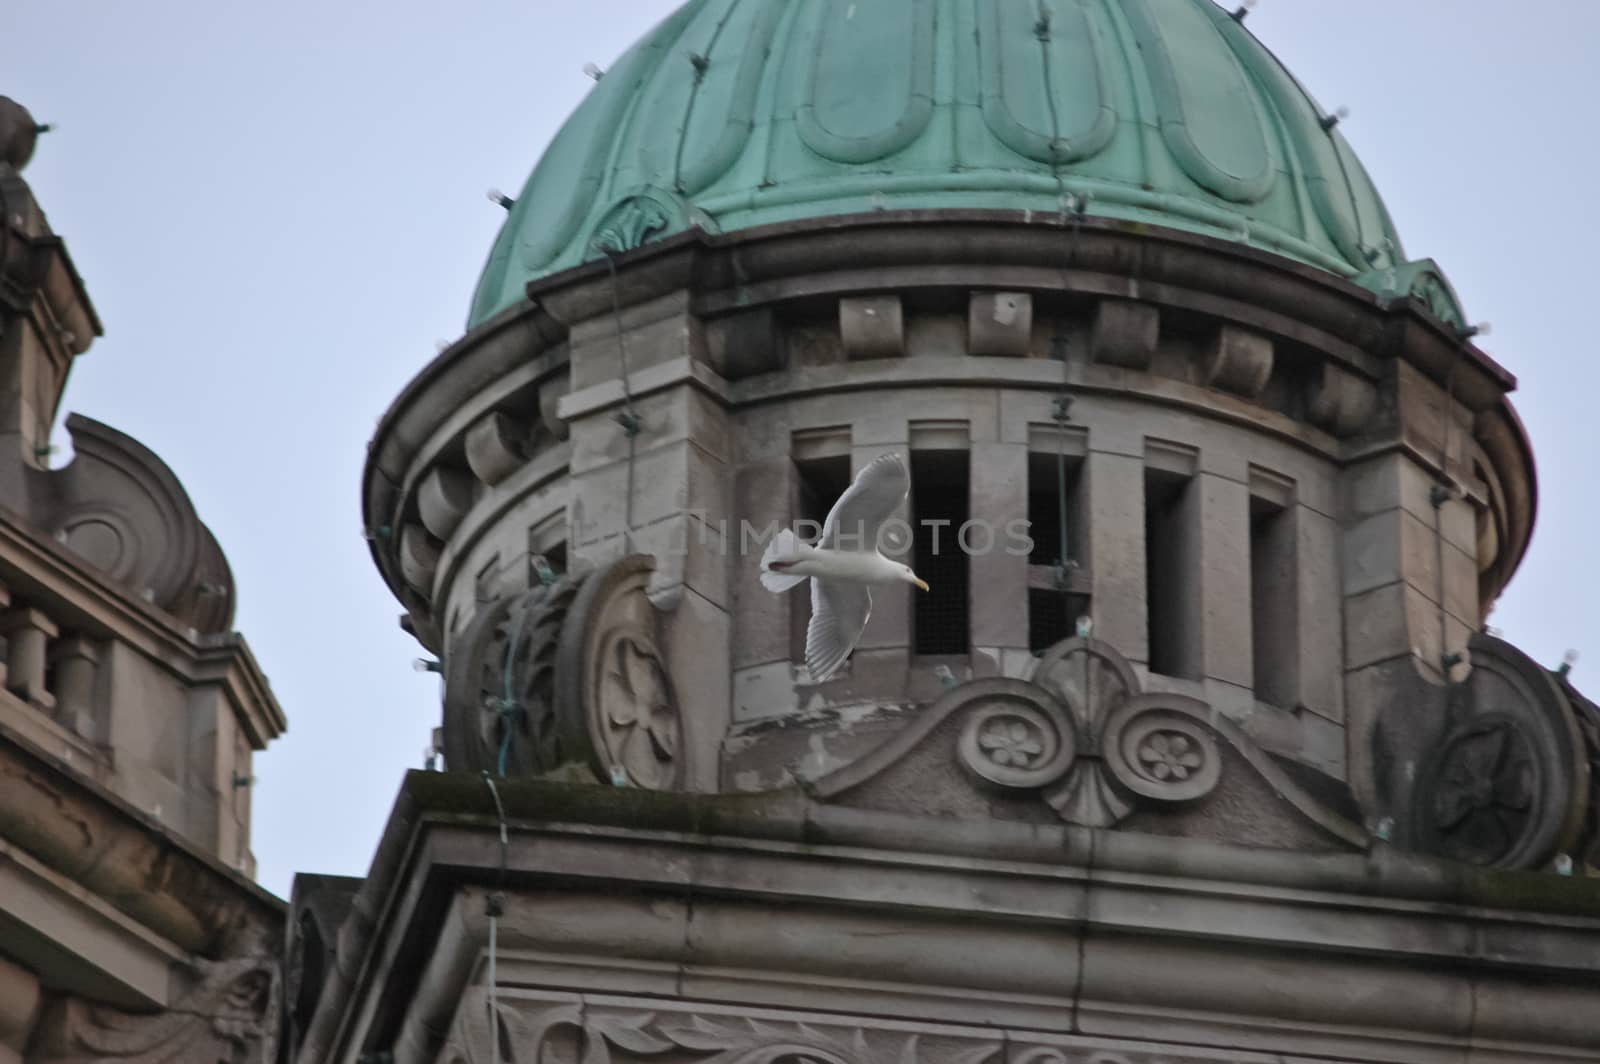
<point>499,704</point>
<point>612,670</point>
<point>1508,782</point>
<point>1017,739</point>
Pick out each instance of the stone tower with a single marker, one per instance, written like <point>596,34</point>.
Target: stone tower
<point>130,710</point>
<point>1220,763</point>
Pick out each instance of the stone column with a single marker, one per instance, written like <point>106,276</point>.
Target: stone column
<point>75,661</point>
<point>28,633</point>
<point>999,580</point>
<point>1224,575</point>
<point>1115,561</point>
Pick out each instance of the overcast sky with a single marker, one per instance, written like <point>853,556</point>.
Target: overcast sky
<point>279,211</point>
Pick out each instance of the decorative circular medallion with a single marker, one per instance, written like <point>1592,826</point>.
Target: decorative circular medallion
<point>635,710</point>
<point>612,670</point>
<point>1015,744</point>
<point>1161,752</point>
<point>500,710</point>
<point>1485,790</point>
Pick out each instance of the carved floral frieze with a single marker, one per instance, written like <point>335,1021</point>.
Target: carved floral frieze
<point>531,1030</point>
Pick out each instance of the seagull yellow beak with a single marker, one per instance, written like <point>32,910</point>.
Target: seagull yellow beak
<point>923,584</point>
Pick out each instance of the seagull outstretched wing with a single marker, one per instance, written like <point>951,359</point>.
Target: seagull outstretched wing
<point>872,497</point>
<point>839,611</point>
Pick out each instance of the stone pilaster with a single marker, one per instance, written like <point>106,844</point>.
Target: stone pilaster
<point>999,580</point>
<point>1116,561</point>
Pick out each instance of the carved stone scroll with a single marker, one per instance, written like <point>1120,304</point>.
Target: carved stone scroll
<point>1092,745</point>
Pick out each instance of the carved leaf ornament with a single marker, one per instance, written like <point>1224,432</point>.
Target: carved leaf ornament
<point>571,1034</point>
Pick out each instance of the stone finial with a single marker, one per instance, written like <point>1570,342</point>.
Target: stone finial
<point>18,132</point>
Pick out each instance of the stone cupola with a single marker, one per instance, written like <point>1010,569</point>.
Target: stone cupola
<point>1197,768</point>
<point>1291,485</point>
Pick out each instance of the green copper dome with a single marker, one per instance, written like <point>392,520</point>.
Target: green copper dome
<point>739,113</point>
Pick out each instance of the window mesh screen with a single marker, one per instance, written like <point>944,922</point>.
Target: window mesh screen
<point>939,493</point>
<point>1050,618</point>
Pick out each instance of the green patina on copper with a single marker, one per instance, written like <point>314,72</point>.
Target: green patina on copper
<point>738,113</point>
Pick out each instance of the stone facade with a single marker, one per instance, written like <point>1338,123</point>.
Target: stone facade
<point>1218,763</point>
<point>129,713</point>
<point>1290,504</point>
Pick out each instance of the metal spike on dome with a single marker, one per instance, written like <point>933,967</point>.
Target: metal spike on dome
<point>1327,122</point>
<point>496,196</point>
<point>593,71</point>
<point>1243,10</point>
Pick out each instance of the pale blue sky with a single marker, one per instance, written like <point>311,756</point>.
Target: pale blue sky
<point>279,210</point>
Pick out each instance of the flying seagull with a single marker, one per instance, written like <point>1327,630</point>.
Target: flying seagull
<point>842,564</point>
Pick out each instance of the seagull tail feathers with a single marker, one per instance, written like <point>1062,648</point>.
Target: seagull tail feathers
<point>784,549</point>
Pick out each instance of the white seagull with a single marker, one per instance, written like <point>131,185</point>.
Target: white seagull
<point>842,563</point>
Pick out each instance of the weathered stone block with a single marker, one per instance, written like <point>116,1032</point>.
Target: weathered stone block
<point>550,394</point>
<point>872,327</point>
<point>419,558</point>
<point>1124,333</point>
<point>744,345</point>
<point>443,499</point>
<point>1237,361</point>
<point>999,323</point>
<point>496,445</point>
<point>1339,401</point>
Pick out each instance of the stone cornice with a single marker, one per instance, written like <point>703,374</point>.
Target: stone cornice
<point>130,860</point>
<point>1356,333</point>
<point>1465,934</point>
